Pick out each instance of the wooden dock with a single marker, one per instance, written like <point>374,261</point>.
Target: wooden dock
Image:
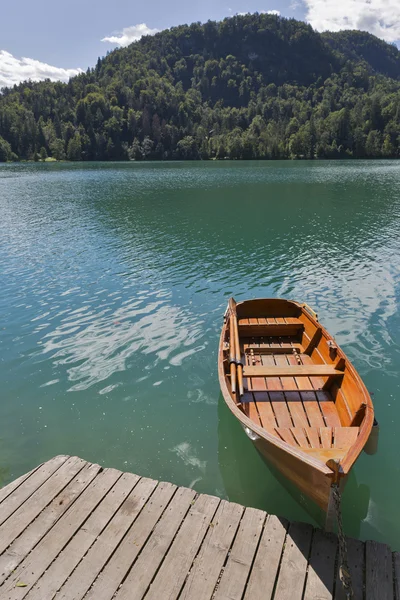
<point>70,529</point>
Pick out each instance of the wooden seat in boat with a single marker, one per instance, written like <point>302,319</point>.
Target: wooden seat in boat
<point>270,326</point>
<point>272,321</point>
<point>292,371</point>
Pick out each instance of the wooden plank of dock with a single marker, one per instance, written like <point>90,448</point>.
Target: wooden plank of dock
<point>379,571</point>
<point>72,530</point>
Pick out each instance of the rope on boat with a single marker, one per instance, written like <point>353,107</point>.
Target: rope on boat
<point>344,572</point>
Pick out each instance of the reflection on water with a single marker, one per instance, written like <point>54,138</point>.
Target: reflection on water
<point>114,280</point>
<point>98,344</point>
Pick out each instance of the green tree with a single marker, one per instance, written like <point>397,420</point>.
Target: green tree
<point>74,149</point>
<point>57,149</point>
<point>5,150</point>
<point>135,151</point>
<point>387,147</point>
<point>373,144</point>
<point>187,148</point>
<point>147,147</point>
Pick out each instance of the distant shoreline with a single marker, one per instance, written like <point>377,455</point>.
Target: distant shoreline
<point>207,160</point>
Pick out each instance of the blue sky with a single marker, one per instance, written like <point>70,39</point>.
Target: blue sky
<point>42,39</point>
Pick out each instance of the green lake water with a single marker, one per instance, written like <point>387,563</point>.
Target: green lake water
<point>114,279</point>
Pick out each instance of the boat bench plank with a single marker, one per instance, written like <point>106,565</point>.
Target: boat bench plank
<point>292,371</point>
<point>273,330</point>
<point>247,327</point>
<point>271,321</point>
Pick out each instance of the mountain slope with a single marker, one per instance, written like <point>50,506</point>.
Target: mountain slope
<point>359,46</point>
<point>252,86</point>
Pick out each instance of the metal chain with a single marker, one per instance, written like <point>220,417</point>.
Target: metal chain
<point>344,573</point>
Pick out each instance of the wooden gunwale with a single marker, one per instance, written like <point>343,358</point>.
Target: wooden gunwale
<point>349,371</point>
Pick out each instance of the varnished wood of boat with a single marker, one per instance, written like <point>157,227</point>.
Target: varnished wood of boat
<point>303,404</point>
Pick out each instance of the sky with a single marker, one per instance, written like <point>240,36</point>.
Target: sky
<point>56,40</point>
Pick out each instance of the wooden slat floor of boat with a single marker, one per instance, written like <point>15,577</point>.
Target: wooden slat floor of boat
<point>72,530</point>
<point>296,409</point>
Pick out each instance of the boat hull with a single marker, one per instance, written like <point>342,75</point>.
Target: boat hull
<point>310,481</point>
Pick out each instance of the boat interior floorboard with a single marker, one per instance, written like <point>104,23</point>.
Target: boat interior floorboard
<point>296,409</point>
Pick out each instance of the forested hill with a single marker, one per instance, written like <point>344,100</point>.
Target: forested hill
<point>252,86</point>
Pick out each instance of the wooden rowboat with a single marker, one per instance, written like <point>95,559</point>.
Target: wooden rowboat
<point>295,392</point>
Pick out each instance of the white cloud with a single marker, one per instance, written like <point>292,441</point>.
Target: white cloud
<point>130,34</point>
<point>14,70</point>
<point>380,17</point>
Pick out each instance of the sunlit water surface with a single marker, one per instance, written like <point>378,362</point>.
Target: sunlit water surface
<point>114,279</point>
